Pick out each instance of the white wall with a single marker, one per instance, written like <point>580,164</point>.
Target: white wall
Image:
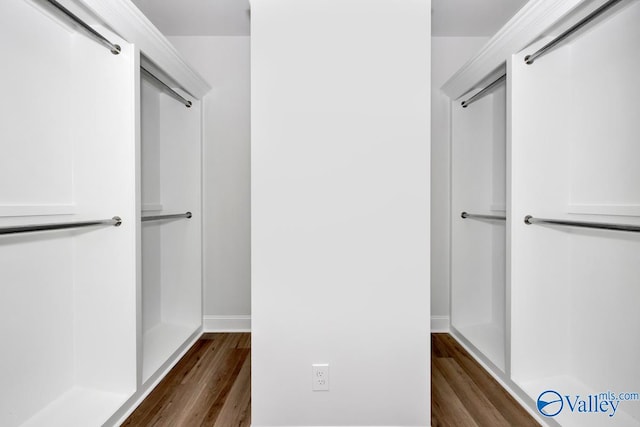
<point>225,63</point>
<point>340,211</point>
<point>448,54</point>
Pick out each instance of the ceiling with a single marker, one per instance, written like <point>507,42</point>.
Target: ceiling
<point>197,17</point>
<point>462,18</point>
<point>469,18</point>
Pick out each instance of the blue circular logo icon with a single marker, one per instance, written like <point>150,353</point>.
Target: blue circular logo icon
<point>550,403</point>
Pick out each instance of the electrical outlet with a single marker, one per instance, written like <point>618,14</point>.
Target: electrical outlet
<point>320,377</point>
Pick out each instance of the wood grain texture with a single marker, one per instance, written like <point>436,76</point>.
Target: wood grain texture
<point>464,394</point>
<point>209,386</point>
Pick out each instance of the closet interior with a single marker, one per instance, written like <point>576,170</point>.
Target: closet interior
<point>579,284</point>
<point>97,299</point>
<point>478,231</point>
<point>571,246</point>
<point>171,226</point>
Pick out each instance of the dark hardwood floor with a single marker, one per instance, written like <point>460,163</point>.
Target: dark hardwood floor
<point>210,386</point>
<point>464,394</point>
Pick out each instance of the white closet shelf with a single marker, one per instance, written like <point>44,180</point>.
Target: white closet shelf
<point>488,338</point>
<point>37,210</point>
<point>79,407</point>
<point>160,342</point>
<point>152,207</point>
<point>602,209</point>
<point>569,385</point>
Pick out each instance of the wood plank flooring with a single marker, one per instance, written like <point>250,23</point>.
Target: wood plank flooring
<point>209,386</point>
<point>464,394</point>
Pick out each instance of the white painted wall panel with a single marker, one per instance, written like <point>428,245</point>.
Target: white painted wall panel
<point>225,63</point>
<point>340,211</point>
<point>36,111</point>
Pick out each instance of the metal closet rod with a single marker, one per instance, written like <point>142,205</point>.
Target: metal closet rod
<point>171,92</point>
<point>161,217</point>
<point>478,216</point>
<point>115,221</point>
<point>584,21</point>
<point>600,225</point>
<point>484,91</point>
<point>114,48</point>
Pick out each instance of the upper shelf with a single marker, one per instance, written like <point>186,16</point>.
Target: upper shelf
<point>536,19</point>
<point>123,17</point>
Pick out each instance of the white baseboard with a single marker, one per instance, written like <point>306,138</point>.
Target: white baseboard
<point>227,323</point>
<point>440,324</point>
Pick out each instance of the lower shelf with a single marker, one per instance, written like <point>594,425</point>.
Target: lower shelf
<point>160,342</point>
<point>488,338</point>
<point>566,385</point>
<point>78,407</point>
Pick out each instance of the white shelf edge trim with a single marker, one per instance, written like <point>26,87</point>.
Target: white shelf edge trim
<point>612,210</point>
<point>37,210</point>
<point>127,409</point>
<point>227,323</point>
<point>152,207</point>
<point>440,324</point>
<point>489,339</point>
<point>160,343</point>
<point>132,25</point>
<point>530,22</point>
<point>92,406</point>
